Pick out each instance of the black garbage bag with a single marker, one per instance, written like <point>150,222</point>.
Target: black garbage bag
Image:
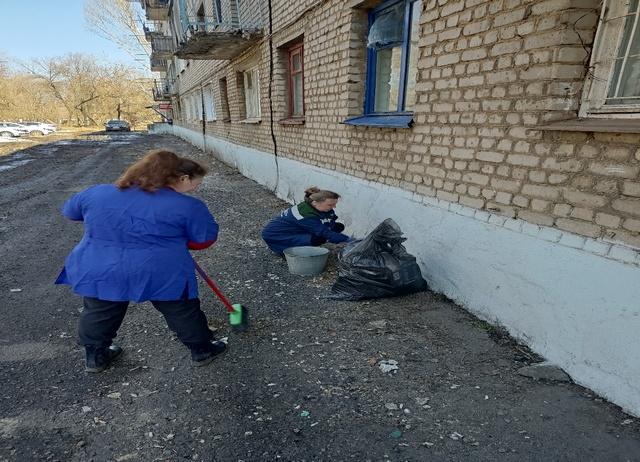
<point>377,266</point>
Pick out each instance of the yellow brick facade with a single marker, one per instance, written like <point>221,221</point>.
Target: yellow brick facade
<point>490,74</point>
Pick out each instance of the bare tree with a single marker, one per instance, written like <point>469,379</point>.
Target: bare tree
<point>118,21</point>
<point>84,90</point>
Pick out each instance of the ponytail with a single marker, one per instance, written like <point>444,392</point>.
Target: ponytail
<point>315,194</point>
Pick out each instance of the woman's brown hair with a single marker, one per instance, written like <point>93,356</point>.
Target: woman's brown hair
<point>158,169</point>
<point>315,194</point>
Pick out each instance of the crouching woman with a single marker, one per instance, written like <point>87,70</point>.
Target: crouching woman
<point>309,223</point>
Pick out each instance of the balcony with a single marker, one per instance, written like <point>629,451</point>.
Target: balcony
<point>162,46</point>
<point>156,10</point>
<point>207,37</point>
<point>158,64</point>
<point>151,29</point>
<point>162,90</point>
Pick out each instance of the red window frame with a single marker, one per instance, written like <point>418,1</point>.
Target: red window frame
<point>295,50</point>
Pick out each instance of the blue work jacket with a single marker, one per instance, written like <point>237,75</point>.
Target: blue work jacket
<point>296,225</point>
<point>135,243</point>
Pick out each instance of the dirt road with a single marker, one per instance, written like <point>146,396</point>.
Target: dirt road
<point>302,385</point>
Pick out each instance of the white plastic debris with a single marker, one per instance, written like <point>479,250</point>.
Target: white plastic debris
<point>388,365</point>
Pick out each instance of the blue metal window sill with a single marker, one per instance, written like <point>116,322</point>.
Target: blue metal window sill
<point>393,120</point>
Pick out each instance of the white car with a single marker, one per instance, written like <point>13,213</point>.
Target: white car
<point>38,128</point>
<point>8,129</point>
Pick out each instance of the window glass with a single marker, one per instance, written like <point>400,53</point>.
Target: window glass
<point>387,27</point>
<point>212,104</point>
<point>218,7</point>
<point>252,94</point>
<point>297,95</point>
<point>388,67</point>
<point>296,81</point>
<point>393,56</point>
<point>296,62</point>
<point>624,87</point>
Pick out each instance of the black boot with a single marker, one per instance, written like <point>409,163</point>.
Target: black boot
<point>98,359</point>
<point>204,354</point>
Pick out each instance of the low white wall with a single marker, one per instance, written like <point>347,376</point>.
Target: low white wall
<point>575,301</point>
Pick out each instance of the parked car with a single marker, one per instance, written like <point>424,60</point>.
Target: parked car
<point>11,129</point>
<point>117,125</point>
<point>38,128</point>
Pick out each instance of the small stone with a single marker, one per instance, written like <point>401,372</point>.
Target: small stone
<point>115,395</point>
<point>456,436</point>
<point>626,422</point>
<point>422,401</point>
<point>545,371</point>
<point>86,409</point>
<point>395,433</point>
<point>378,324</point>
<point>391,406</point>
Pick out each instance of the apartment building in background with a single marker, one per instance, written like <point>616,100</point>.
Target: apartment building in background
<point>503,136</point>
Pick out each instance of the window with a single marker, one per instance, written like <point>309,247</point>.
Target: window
<point>217,4</point>
<point>209,105</point>
<point>224,100</point>
<point>186,105</point>
<point>613,83</point>
<point>251,85</point>
<point>196,107</point>
<point>201,21</point>
<point>392,55</point>
<point>296,81</point>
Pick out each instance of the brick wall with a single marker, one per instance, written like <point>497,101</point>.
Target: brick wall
<point>490,74</point>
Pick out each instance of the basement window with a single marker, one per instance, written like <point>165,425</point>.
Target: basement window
<point>392,53</point>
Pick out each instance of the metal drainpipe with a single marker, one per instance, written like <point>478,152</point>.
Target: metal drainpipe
<point>273,135</point>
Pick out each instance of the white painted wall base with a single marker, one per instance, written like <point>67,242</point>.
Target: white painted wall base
<point>575,301</point>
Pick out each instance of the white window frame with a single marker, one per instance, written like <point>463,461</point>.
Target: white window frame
<point>251,94</point>
<point>209,103</point>
<point>605,50</point>
<point>196,105</point>
<point>186,106</point>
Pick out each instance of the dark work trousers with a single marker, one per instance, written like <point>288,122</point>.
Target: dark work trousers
<point>101,319</point>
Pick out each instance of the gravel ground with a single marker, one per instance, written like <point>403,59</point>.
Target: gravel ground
<point>302,385</point>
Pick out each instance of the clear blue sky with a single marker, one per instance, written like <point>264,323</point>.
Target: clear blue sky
<point>45,28</point>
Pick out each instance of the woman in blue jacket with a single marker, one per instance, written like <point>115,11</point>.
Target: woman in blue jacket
<point>137,236</point>
<point>311,222</point>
